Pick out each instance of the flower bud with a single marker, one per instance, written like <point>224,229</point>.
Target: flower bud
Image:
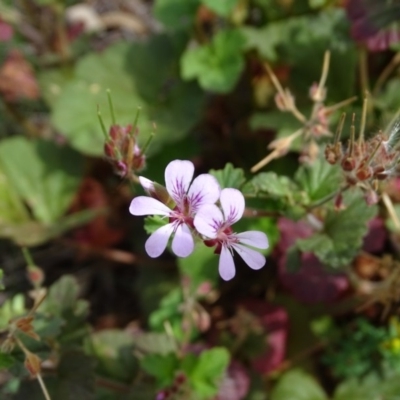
<point>35,275</point>
<point>371,197</point>
<point>109,150</point>
<point>32,363</point>
<point>24,324</point>
<point>316,94</point>
<point>348,163</point>
<point>364,172</point>
<point>331,155</point>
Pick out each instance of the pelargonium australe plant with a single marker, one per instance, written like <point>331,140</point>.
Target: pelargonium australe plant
<point>192,212</point>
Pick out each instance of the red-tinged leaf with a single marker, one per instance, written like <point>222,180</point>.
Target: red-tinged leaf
<point>311,283</point>
<point>276,323</point>
<point>375,240</point>
<point>99,232</point>
<point>236,383</point>
<point>290,232</point>
<point>17,80</point>
<point>6,31</point>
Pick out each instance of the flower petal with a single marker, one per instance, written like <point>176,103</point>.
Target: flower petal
<point>232,203</point>
<point>178,175</point>
<point>254,238</point>
<point>226,266</point>
<point>157,242</point>
<point>252,258</point>
<point>208,219</point>
<point>143,205</point>
<point>204,190</point>
<point>183,244</point>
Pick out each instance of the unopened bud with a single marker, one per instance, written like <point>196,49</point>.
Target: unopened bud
<point>380,173</point>
<point>8,345</point>
<point>35,275</point>
<point>155,190</point>
<point>316,94</point>
<point>109,149</point>
<point>32,363</point>
<point>24,324</point>
<point>371,197</point>
<point>284,102</point>
<point>331,155</point>
<point>364,172</point>
<point>348,163</point>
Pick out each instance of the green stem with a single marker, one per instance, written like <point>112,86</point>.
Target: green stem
<point>27,256</point>
<point>326,198</point>
<point>110,104</point>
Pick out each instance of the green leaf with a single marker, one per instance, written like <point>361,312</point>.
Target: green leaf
<point>62,296</point>
<point>47,179</point>
<point>293,259</point>
<point>139,75</point>
<point>6,361</point>
<point>221,7</point>
<point>271,184</point>
<point>62,301</point>
<point>341,238</point>
<point>229,177</point>
<point>152,223</point>
<point>162,367</point>
<point>176,14</point>
<point>282,194</point>
<point>389,99</point>
<point>217,65</point>
<point>1,279</point>
<point>200,266</point>
<point>319,179</point>
<point>169,310</point>
<point>309,36</point>
<point>76,377</point>
<point>298,385</point>
<point>113,350</point>
<point>372,387</point>
<point>48,327</point>
<point>208,371</point>
<point>34,233</point>
<point>276,33</point>
<point>12,210</point>
<point>154,342</point>
<point>11,308</point>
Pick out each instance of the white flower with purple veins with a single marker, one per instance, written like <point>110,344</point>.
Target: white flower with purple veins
<point>216,227</point>
<point>188,199</point>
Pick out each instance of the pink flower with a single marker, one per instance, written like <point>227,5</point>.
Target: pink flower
<point>188,199</point>
<point>216,226</point>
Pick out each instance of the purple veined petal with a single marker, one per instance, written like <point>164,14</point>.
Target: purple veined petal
<point>157,242</point>
<point>232,203</point>
<point>208,220</point>
<point>254,238</point>
<point>204,190</point>
<point>252,258</point>
<point>182,244</point>
<point>143,205</point>
<point>178,175</point>
<point>226,266</point>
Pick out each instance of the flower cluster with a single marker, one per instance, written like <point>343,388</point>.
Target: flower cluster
<point>122,150</point>
<point>192,212</point>
<point>311,128</point>
<point>365,162</point>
